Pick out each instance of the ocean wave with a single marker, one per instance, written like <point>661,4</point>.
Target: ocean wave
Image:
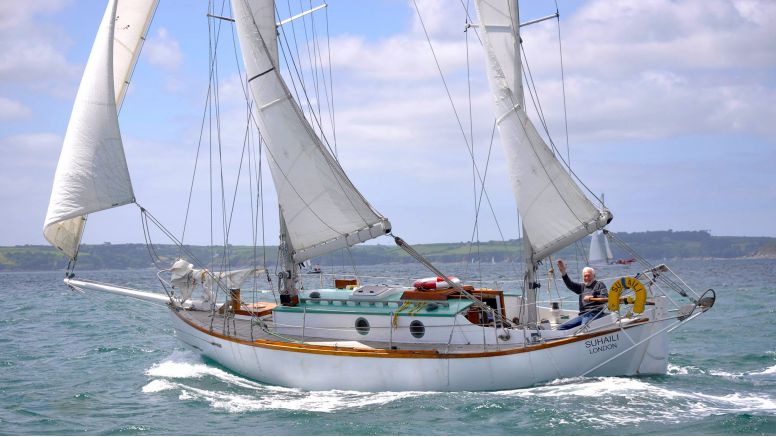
<point>637,401</point>
<point>769,371</point>
<point>184,371</point>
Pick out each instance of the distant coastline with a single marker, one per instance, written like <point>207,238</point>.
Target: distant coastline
<point>652,245</point>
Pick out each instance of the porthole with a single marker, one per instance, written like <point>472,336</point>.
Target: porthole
<point>362,326</point>
<point>417,329</point>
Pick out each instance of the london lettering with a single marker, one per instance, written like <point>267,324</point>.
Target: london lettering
<point>602,343</point>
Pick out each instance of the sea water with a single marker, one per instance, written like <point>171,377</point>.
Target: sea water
<point>73,363</point>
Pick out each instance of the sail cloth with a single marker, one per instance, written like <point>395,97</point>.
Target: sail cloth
<point>133,18</point>
<point>322,209</point>
<point>554,210</point>
<point>92,173</point>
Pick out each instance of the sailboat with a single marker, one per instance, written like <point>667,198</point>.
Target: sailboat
<point>600,252</point>
<point>439,335</point>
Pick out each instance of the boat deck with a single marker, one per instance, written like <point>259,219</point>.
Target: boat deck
<point>245,330</point>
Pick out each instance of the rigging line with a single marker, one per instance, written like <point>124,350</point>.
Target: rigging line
<point>563,84</point>
<point>299,75</point>
<point>482,190</point>
<point>332,164</point>
<point>450,98</point>
<point>201,135</point>
<point>155,258</point>
<point>239,174</point>
<point>296,48</point>
<point>536,152</point>
<point>210,136</point>
<point>643,261</point>
<point>352,262</point>
<point>331,85</point>
<point>468,20</point>
<point>476,229</point>
<point>538,107</point>
<point>172,238</point>
<point>337,171</point>
<point>313,65</point>
<point>143,38</point>
<point>283,48</point>
<point>219,142</point>
<point>323,84</point>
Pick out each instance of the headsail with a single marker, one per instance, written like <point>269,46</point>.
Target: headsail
<point>133,19</point>
<point>322,209</point>
<point>92,172</point>
<point>555,212</point>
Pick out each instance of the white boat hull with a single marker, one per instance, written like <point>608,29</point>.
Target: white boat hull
<point>329,368</point>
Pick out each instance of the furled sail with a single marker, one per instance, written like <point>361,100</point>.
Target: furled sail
<point>92,172</point>
<point>322,209</point>
<point>555,212</point>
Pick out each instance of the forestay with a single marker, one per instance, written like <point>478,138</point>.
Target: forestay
<point>554,210</point>
<point>322,209</point>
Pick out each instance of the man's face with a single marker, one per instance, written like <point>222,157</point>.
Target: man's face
<point>587,276</point>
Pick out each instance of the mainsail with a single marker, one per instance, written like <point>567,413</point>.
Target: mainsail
<point>554,210</point>
<point>92,172</point>
<point>321,208</point>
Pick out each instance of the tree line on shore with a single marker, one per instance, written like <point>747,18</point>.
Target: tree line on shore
<point>652,245</point>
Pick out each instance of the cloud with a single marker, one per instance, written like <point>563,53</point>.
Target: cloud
<point>16,17</point>
<point>31,49</point>
<point>163,51</point>
<point>637,70</point>
<point>12,109</point>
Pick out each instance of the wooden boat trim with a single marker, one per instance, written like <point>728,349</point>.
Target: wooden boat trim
<point>397,353</point>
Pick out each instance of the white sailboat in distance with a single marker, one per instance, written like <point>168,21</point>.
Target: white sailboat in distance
<point>435,334</point>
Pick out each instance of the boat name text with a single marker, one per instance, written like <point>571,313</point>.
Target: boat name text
<point>602,344</point>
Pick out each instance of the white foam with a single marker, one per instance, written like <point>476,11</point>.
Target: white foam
<point>733,403</point>
<point>182,365</point>
<point>769,371</point>
<point>158,385</point>
<point>182,370</point>
<point>270,398</point>
<point>639,396</point>
<point>725,374</point>
<point>683,370</point>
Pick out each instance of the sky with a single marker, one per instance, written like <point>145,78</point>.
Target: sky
<point>670,108</point>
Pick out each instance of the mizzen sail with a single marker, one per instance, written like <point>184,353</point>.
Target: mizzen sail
<point>555,212</point>
<point>322,209</point>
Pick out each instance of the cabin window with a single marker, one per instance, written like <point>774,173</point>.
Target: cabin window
<point>417,329</point>
<point>362,326</point>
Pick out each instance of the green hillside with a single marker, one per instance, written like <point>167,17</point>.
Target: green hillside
<point>653,245</point>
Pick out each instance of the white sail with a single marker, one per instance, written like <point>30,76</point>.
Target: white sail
<point>322,209</point>
<point>600,252</point>
<point>92,172</point>
<point>555,212</point>
<point>132,21</point>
